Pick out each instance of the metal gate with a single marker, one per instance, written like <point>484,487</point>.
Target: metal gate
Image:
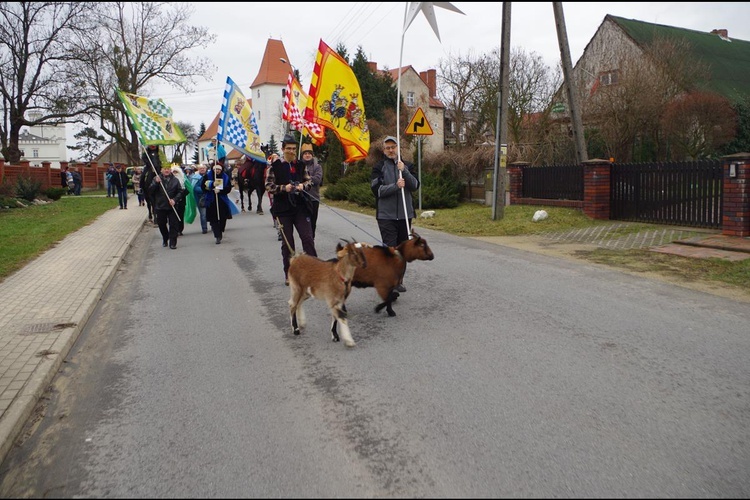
<point>677,193</point>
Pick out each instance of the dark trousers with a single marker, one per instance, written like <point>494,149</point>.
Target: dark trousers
<point>218,227</point>
<point>314,206</point>
<point>300,221</point>
<point>168,225</point>
<point>122,196</point>
<point>393,232</point>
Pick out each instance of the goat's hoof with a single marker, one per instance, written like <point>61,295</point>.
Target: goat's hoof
<point>391,313</point>
<point>295,331</point>
<point>350,344</point>
<point>335,338</point>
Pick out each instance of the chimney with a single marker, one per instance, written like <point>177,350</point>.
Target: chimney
<point>429,77</point>
<point>372,66</point>
<point>723,33</point>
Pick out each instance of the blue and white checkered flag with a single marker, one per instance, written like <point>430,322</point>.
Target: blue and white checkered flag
<point>236,123</point>
<point>254,124</point>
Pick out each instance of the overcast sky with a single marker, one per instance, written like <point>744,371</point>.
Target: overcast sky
<point>243,28</point>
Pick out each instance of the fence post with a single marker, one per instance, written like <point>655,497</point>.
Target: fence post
<point>735,220</point>
<point>515,180</point>
<point>596,185</point>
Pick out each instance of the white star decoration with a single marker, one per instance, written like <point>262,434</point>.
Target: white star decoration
<point>429,13</point>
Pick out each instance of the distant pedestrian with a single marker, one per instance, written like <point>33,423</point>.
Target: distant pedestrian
<point>64,178</point>
<point>138,187</point>
<point>77,181</point>
<point>111,188</point>
<point>120,181</point>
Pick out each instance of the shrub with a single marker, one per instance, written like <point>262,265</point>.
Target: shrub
<point>27,188</point>
<point>440,191</point>
<point>54,193</point>
<point>6,189</point>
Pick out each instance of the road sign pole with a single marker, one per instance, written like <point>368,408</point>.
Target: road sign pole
<point>419,168</point>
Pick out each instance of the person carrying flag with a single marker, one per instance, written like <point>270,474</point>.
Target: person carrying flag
<point>392,182</point>
<point>166,192</point>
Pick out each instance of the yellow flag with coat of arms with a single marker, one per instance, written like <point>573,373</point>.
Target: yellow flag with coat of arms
<point>335,102</point>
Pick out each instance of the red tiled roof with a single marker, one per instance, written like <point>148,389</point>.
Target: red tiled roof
<point>272,70</point>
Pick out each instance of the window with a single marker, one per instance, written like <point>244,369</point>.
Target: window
<point>410,99</point>
<point>283,93</point>
<point>609,78</point>
<point>35,153</point>
<point>258,93</point>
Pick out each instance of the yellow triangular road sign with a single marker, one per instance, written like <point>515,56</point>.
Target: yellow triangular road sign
<point>419,124</point>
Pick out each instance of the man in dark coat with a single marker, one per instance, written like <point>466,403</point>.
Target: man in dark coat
<point>166,193</point>
<point>286,180</point>
<point>150,157</point>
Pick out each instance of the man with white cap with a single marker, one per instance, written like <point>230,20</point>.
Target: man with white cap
<point>391,182</point>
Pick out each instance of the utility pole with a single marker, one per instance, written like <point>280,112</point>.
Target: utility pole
<point>567,66</point>
<point>501,134</point>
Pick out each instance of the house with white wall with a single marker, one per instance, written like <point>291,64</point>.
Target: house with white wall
<point>40,143</point>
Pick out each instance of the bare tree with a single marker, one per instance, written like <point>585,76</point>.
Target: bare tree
<point>457,84</point>
<point>135,45</point>
<point>35,57</point>
<point>625,115</point>
<point>470,85</point>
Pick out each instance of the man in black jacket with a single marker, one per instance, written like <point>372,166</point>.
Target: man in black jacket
<point>286,181</point>
<point>151,165</point>
<point>166,193</point>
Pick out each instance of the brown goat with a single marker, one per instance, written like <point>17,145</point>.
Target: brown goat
<point>329,280</point>
<point>386,267</point>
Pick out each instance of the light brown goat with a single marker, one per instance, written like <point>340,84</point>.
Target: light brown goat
<point>329,280</point>
<point>386,267</point>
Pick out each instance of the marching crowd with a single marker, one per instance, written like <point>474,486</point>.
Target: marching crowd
<point>176,195</point>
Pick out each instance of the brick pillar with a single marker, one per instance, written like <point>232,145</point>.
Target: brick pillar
<point>515,180</point>
<point>596,185</point>
<point>736,207</point>
<point>63,164</point>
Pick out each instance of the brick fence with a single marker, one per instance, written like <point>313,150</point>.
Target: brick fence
<point>91,172</point>
<point>596,188</point>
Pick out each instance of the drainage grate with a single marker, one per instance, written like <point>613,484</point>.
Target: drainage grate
<point>44,328</point>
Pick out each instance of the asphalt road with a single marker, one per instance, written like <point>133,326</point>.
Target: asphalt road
<point>505,374</point>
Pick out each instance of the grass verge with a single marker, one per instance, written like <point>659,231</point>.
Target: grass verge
<point>26,233</point>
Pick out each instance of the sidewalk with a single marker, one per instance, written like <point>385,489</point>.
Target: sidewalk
<point>47,303</point>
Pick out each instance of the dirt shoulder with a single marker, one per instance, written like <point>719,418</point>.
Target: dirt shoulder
<point>583,251</point>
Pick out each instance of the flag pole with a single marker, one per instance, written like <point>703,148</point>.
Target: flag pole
<point>156,174</point>
<point>398,119</point>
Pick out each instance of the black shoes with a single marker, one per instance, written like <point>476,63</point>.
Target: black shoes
<point>173,247</point>
<point>259,212</point>
<point>164,243</point>
<point>218,241</point>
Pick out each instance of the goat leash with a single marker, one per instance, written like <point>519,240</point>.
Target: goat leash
<point>349,221</point>
<point>281,228</point>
